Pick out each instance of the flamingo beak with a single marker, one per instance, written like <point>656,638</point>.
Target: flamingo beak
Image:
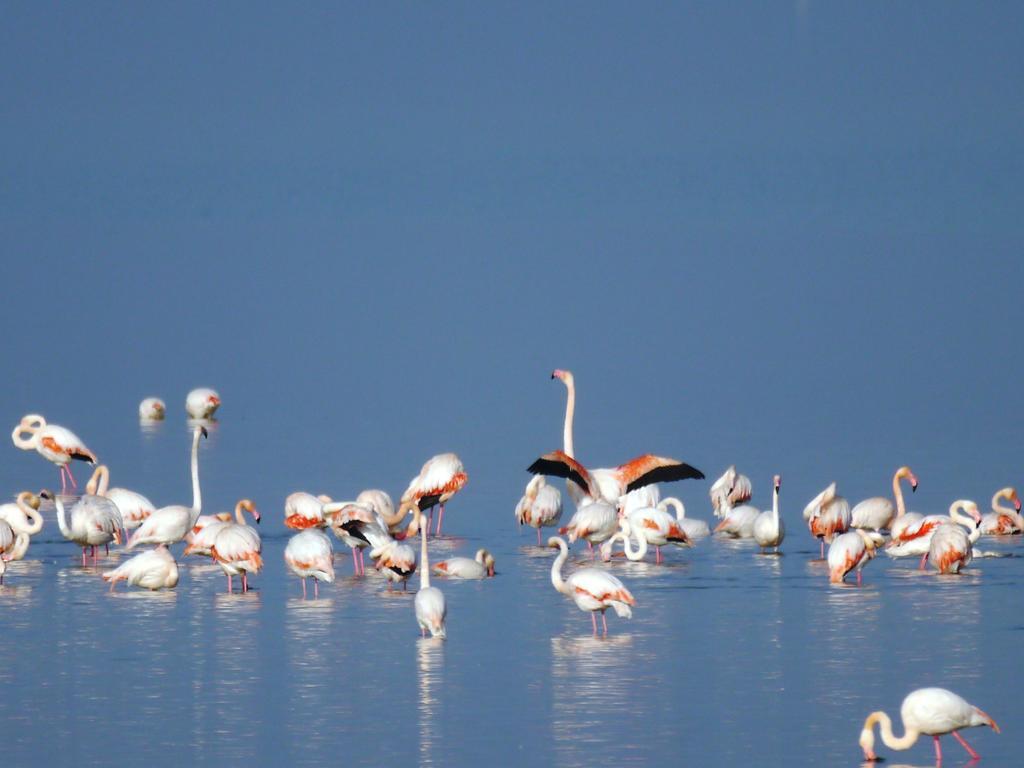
<point>871,757</point>
<point>1016,503</point>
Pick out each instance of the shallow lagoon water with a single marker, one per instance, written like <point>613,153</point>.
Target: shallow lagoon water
<point>731,656</point>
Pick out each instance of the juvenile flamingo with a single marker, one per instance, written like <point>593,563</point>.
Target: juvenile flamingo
<point>930,711</point>
<point>54,443</point>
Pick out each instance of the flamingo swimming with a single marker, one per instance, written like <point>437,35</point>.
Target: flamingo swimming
<point>769,530</point>
<point>152,409</point>
<point>310,553</point>
<point>202,403</point>
<point>730,490</point>
<point>54,443</point>
<point>827,515</point>
<point>592,589</point>
<point>849,551</point>
<point>153,569</point>
<point>1003,520</point>
<point>878,513</point>
<point>304,510</point>
<point>431,607</point>
<point>171,524</point>
<point>540,506</point>
<point>237,547</point>
<point>479,567</point>
<point>89,524</point>
<point>440,478</point>
<point>23,514</point>
<point>930,711</point>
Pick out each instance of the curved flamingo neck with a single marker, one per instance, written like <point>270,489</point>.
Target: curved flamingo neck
<point>627,542</point>
<point>897,492</point>
<point>240,509</point>
<point>556,569</point>
<point>25,443</point>
<point>62,521</point>
<point>885,730</point>
<point>1005,493</point>
<point>676,504</point>
<point>36,524</point>
<point>570,412</point>
<point>97,485</point>
<point>20,547</point>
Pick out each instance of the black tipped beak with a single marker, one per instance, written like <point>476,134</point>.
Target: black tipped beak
<point>552,375</point>
<point>913,488</point>
<point>203,430</point>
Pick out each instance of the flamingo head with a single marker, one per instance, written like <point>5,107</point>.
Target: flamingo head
<point>489,564</point>
<point>972,509</point>
<point>906,474</point>
<point>250,506</point>
<point>45,494</point>
<point>564,376</point>
<point>1015,499</point>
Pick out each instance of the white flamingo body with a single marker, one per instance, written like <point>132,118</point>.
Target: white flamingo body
<point>152,409</point>
<point>927,711</point>
<point>479,567</point>
<point>237,547</point>
<point>769,530</point>
<point>154,569</point>
<point>133,506</point>
<point>951,548</point>
<point>13,546</point>
<point>850,551</point>
<point>879,513</point>
<point>729,490</point>
<point>540,506</point>
<point>202,403</point>
<point>171,524</point>
<point>915,539</point>
<point>694,529</point>
<point>54,443</point>
<point>304,510</point>
<point>88,524</point>
<point>310,553</point>
<point>738,522</point>
<point>827,515</point>
<point>200,539</point>
<point>1003,521</point>
<point>593,522</point>
<point>440,478</point>
<point>592,589</point>
<point>396,560</point>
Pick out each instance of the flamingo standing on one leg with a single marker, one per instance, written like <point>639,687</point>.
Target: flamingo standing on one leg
<point>440,478</point>
<point>310,553</point>
<point>54,443</point>
<point>930,711</point>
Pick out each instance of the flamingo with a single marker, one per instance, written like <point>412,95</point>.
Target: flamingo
<point>304,510</point>
<point>541,505</point>
<point>849,551</point>
<point>738,522</point>
<point>611,485</point>
<point>730,490</point>
<point>645,496</point>
<point>358,526</point>
<point>396,560</point>
<point>23,515</point>
<point>202,403</point>
<point>90,524</point>
<point>431,608</point>
<point>594,522</point>
<point>656,526</point>
<point>916,539</point>
<point>951,547</point>
<point>441,477</point>
<point>827,514</point>
<point>694,529</point>
<point>201,538</point>
<point>13,546</point>
<point>54,443</point>
<point>379,501</point>
<point>592,589</point>
<point>768,528</point>
<point>878,512</point>
<point>153,569</point>
<point>466,568</point>
<point>310,553</point>
<point>168,525</point>
<point>930,711</point>
<point>1003,520</point>
<point>152,409</point>
<point>237,546</point>
<point>133,506</point>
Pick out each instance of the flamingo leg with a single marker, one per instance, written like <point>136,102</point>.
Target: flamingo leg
<point>822,541</point>
<point>83,556</point>
<point>440,519</point>
<point>245,582</point>
<point>362,563</point>
<point>924,559</point>
<point>355,562</point>
<point>63,482</point>
<point>963,742</point>
<point>303,587</point>
<point>593,620</point>
<point>71,477</point>
<point>858,578</point>
<point>657,556</point>
<point>230,585</point>
<point>106,548</point>
<point>938,751</point>
<point>430,520</point>
<point>538,537</point>
<point>604,623</point>
<point>316,587</point>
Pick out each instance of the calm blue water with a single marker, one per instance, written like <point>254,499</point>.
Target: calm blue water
<point>730,657</point>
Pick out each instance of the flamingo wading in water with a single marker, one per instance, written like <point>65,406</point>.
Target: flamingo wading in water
<point>768,528</point>
<point>310,553</point>
<point>237,547</point>
<point>431,608</point>
<point>929,711</point>
<point>439,479</point>
<point>592,589</point>
<point>878,512</point>
<point>153,569</point>
<point>1002,521</point>
<point>54,443</point>
<point>540,506</point>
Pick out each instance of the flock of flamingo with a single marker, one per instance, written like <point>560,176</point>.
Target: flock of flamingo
<point>612,507</point>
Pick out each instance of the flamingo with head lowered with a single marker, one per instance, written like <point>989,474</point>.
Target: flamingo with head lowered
<point>440,478</point>
<point>930,712</point>
<point>827,516</point>
<point>54,443</point>
<point>540,506</point>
